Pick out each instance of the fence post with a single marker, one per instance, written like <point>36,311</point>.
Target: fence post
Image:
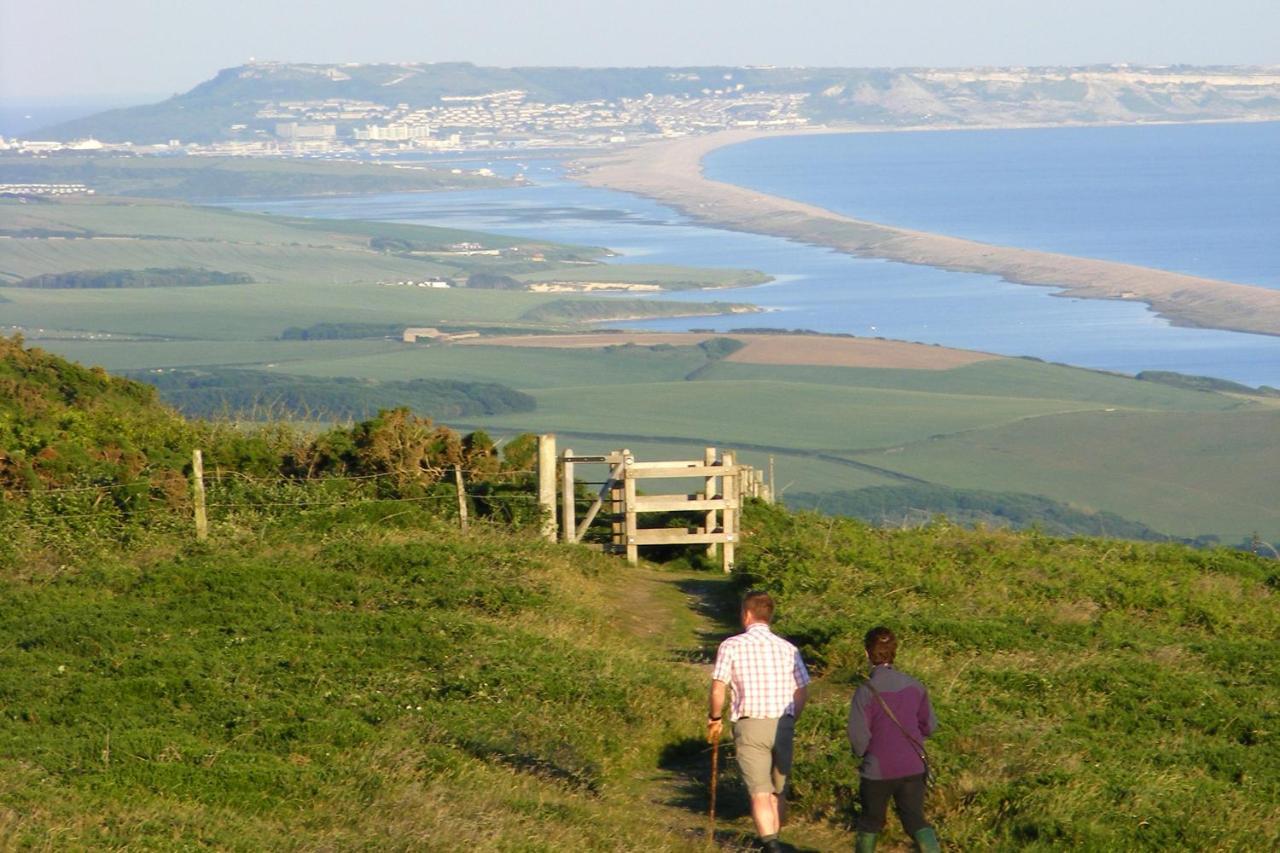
<point>568,511</point>
<point>730,481</point>
<point>462,496</point>
<point>630,525</point>
<point>617,507</point>
<point>547,484</point>
<point>197,486</point>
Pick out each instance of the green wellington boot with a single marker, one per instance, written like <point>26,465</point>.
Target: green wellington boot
<point>865,842</point>
<point>927,840</point>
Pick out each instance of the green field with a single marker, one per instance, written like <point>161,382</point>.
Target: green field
<point>1184,462</point>
<point>231,177</point>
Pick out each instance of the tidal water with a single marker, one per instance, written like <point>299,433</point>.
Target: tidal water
<point>826,291</point>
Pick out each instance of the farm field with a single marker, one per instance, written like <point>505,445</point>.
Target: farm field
<point>1171,470</point>
<point>303,271</point>
<point>837,413</point>
<point>228,177</point>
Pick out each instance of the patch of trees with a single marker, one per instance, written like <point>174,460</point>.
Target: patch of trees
<point>149,277</point>
<point>259,395</point>
<point>718,348</point>
<point>918,504</point>
<point>1205,383</point>
<point>342,331</point>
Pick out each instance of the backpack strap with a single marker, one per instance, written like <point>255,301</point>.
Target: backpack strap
<point>916,745</point>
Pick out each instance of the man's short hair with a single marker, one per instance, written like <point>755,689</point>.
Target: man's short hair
<point>881,645</point>
<point>759,604</point>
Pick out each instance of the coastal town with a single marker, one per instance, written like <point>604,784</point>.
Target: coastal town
<point>508,119</point>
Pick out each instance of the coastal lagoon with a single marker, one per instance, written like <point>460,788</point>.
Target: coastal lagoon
<point>827,291</point>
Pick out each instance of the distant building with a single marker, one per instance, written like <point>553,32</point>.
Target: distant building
<point>293,130</point>
<point>394,132</point>
<point>411,335</point>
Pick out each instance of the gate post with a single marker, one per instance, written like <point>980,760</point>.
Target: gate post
<point>568,512</point>
<point>730,515</point>
<point>547,484</point>
<point>629,509</point>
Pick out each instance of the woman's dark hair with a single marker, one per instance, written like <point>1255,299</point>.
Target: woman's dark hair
<point>881,645</point>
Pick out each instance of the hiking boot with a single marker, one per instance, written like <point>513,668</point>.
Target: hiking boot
<point>927,840</point>
<point>773,845</point>
<point>865,842</point>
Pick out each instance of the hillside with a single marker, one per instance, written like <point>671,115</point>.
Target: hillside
<point>239,102</point>
<point>339,663</point>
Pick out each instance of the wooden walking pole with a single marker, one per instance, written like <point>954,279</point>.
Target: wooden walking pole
<point>715,771</point>
<point>462,497</point>
<point>197,486</point>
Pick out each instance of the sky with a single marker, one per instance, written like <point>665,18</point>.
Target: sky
<point>70,49</point>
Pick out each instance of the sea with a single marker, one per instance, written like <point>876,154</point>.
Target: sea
<point>1200,199</point>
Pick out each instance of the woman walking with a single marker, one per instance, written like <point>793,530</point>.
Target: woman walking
<point>889,719</point>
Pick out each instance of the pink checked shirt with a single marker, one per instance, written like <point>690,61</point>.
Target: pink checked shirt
<point>764,671</point>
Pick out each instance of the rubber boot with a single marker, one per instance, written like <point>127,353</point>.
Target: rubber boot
<point>865,842</point>
<point>927,840</point>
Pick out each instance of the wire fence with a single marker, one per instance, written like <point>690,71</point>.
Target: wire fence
<point>144,499</point>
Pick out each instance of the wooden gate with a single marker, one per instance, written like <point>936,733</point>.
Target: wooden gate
<point>725,483</point>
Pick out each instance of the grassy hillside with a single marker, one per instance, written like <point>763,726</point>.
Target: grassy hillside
<point>339,667</point>
<point>342,682</point>
<point>1092,694</point>
<point>324,677</point>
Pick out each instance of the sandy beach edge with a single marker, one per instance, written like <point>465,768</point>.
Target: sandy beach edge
<point>670,172</point>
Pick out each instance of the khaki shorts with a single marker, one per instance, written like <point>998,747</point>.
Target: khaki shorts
<point>764,748</point>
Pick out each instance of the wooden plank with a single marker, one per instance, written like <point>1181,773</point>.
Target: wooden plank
<point>676,463</point>
<point>678,503</point>
<point>676,536</point>
<point>606,490</point>
<point>669,471</point>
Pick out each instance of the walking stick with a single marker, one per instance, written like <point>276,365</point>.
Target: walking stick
<point>715,772</point>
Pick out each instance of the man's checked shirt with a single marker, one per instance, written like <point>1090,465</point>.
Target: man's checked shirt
<point>764,671</point>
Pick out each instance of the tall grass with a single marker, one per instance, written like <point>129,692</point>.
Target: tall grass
<point>1092,693</point>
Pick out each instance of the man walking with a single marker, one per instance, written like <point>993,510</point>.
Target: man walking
<point>769,681</point>
<point>889,718</point>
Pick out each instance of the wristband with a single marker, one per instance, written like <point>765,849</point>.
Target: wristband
<point>715,719</point>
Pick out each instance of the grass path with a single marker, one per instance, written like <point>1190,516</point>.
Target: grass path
<point>691,612</point>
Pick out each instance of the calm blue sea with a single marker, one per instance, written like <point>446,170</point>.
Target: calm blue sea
<point>1199,199</point>
<point>826,291</point>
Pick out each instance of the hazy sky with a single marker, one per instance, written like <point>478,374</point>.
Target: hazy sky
<point>68,48</point>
